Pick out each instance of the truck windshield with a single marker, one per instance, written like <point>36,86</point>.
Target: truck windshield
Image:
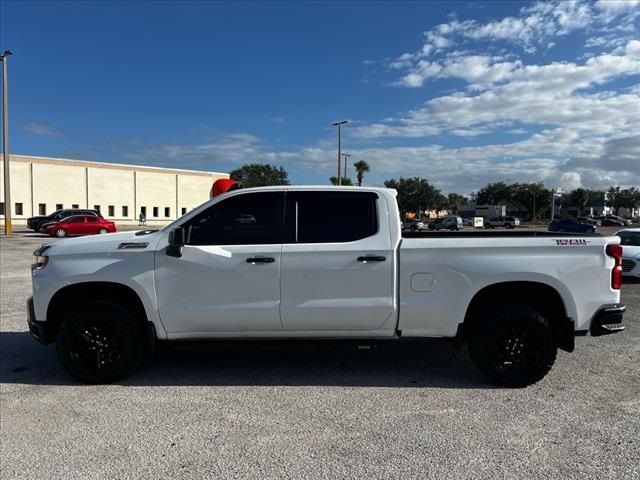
<point>630,238</point>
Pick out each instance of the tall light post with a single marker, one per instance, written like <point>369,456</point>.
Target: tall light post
<point>339,125</point>
<point>555,192</point>
<point>8,227</point>
<point>346,156</point>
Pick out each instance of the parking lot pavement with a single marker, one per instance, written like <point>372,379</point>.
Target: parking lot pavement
<point>397,410</point>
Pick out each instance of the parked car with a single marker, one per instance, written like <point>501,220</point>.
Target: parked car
<point>571,225</point>
<point>450,222</point>
<point>412,225</point>
<point>630,241</point>
<point>467,222</point>
<point>312,273</point>
<point>79,225</point>
<point>34,223</point>
<point>592,221</point>
<point>506,222</point>
<point>613,221</point>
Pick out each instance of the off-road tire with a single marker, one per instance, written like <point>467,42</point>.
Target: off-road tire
<point>100,342</point>
<point>513,345</point>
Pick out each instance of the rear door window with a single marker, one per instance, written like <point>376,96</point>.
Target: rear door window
<point>331,217</point>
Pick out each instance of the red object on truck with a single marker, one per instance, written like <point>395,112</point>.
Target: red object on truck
<point>223,185</point>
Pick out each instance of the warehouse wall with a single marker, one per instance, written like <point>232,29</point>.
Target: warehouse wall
<point>42,185</point>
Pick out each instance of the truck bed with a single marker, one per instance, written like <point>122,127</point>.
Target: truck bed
<point>494,233</point>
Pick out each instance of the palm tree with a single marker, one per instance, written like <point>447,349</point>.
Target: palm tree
<point>361,167</point>
<point>343,181</point>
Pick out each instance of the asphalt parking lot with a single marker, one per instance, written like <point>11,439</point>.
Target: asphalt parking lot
<point>397,410</point>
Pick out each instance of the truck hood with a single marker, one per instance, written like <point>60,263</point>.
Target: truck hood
<point>141,240</point>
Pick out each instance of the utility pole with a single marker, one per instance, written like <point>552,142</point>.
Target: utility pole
<point>345,155</point>
<point>8,227</point>
<point>555,192</point>
<point>532,190</point>
<point>339,125</point>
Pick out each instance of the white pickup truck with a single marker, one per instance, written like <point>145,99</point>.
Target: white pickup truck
<point>322,262</point>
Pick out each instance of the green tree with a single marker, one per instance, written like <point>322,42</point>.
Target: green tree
<point>259,175</point>
<point>361,168</point>
<point>498,193</point>
<point>345,181</point>
<point>415,194</point>
<point>579,198</point>
<point>533,197</point>
<point>623,198</point>
<point>455,201</point>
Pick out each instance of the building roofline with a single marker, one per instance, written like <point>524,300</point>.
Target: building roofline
<point>112,165</point>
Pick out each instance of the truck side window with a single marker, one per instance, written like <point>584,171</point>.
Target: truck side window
<point>328,217</point>
<point>248,219</point>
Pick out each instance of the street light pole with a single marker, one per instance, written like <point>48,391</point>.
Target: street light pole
<point>339,125</point>
<point>345,155</point>
<point>8,227</point>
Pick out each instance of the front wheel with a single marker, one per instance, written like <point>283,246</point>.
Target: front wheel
<point>102,231</point>
<point>513,345</point>
<point>100,342</point>
<point>61,232</point>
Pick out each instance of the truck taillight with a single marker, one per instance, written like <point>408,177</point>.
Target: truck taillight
<point>615,252</point>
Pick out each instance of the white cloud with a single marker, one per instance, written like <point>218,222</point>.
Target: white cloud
<point>43,129</point>
<point>534,28</point>
<point>552,94</point>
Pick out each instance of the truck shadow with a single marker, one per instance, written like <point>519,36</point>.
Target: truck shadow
<point>409,364</point>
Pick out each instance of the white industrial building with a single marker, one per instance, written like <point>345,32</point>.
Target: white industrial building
<point>41,185</point>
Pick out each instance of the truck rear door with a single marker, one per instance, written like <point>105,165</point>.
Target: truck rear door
<point>337,264</point>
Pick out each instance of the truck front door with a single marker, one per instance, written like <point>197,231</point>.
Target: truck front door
<point>337,264</point>
<point>228,277</point>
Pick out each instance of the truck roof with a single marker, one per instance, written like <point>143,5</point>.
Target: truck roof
<point>341,188</point>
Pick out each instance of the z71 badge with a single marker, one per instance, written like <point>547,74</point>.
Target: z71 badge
<point>572,242</point>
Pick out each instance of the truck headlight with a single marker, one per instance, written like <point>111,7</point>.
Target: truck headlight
<point>41,260</point>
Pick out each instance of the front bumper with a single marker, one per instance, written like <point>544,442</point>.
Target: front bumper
<point>608,320</point>
<point>38,330</point>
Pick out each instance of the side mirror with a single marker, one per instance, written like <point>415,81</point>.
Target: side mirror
<point>176,242</point>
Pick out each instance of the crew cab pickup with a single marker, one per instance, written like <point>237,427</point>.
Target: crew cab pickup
<point>322,262</point>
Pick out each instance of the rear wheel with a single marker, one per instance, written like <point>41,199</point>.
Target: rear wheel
<point>61,232</point>
<point>513,345</point>
<point>100,342</point>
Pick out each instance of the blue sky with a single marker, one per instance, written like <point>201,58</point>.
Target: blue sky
<point>461,93</point>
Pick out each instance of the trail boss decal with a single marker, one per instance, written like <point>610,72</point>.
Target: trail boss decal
<point>572,242</point>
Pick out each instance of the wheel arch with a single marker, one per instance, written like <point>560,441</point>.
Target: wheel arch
<point>94,290</point>
<point>541,296</point>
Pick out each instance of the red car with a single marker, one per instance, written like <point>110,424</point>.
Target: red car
<point>78,225</point>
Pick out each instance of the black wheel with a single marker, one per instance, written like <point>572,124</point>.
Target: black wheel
<point>513,345</point>
<point>100,342</point>
<point>61,232</point>
<point>413,228</point>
